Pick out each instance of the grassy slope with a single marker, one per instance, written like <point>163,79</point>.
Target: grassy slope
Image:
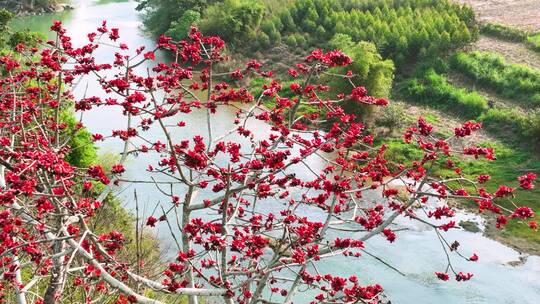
<point>512,162</point>
<point>513,159</point>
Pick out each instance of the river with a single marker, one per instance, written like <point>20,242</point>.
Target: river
<point>416,252</point>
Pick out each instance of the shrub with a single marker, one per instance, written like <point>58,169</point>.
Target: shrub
<point>179,29</point>
<point>504,32</point>
<point>433,89</point>
<point>82,153</point>
<point>236,21</point>
<point>533,42</point>
<point>502,120</point>
<point>393,117</point>
<point>368,66</point>
<point>510,80</point>
<point>514,125</point>
<point>291,41</point>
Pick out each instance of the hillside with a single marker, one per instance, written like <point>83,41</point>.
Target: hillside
<point>259,151</point>
<point>417,52</point>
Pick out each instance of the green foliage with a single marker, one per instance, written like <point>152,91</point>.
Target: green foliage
<point>533,42</point>
<point>431,88</point>
<point>513,126</point>
<point>369,69</point>
<point>510,125</point>
<point>513,81</point>
<point>5,18</point>
<point>158,15</point>
<point>401,30</point>
<point>83,153</point>
<point>180,28</point>
<point>291,41</point>
<point>26,37</point>
<point>532,127</point>
<point>10,38</point>
<point>235,21</point>
<point>368,66</point>
<point>269,28</point>
<point>503,32</point>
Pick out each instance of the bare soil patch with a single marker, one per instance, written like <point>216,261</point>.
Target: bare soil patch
<point>523,14</point>
<point>444,123</point>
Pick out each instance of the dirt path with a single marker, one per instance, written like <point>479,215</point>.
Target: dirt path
<point>523,14</point>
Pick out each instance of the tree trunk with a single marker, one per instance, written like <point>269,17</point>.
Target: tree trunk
<point>58,275</point>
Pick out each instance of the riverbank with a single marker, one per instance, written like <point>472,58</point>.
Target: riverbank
<point>19,8</point>
<point>486,226</point>
<point>523,246</point>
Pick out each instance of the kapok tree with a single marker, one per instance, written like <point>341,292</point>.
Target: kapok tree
<point>248,227</point>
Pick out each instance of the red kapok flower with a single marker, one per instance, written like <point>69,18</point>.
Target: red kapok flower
<point>390,235</point>
<point>151,221</point>
<point>442,276</point>
<point>523,212</point>
<point>150,56</point>
<point>526,181</point>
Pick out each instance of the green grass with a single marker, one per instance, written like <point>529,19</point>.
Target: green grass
<point>432,89</point>
<point>504,32</point>
<point>533,42</point>
<point>431,118</point>
<point>513,81</point>
<point>510,164</point>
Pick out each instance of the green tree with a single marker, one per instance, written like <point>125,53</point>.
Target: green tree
<point>287,21</point>
<point>291,41</point>
<point>369,68</point>
<point>311,18</point>
<point>180,29</point>
<point>235,21</point>
<point>158,15</point>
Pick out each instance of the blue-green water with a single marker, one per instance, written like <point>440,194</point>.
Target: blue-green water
<point>416,252</point>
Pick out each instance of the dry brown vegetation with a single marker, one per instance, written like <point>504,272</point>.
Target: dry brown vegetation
<point>523,14</point>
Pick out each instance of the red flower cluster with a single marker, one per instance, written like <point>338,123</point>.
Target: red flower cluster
<point>467,129</point>
<point>97,172</point>
<point>526,181</point>
<point>332,59</point>
<point>359,94</point>
<point>248,200</point>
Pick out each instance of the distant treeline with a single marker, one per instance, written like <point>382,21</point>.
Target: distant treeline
<point>403,30</point>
